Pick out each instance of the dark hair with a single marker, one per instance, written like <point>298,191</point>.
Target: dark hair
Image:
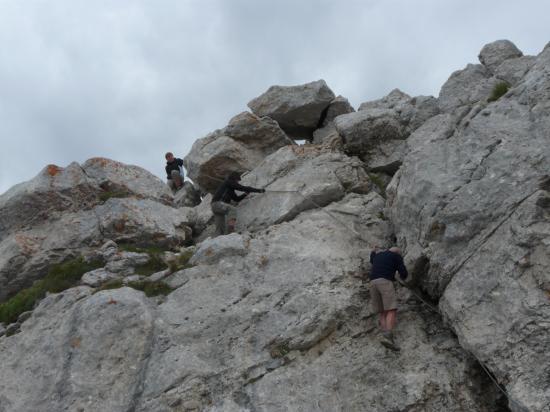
<point>168,154</point>
<point>234,176</point>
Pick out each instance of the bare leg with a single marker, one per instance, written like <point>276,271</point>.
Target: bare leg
<point>383,321</point>
<point>391,319</point>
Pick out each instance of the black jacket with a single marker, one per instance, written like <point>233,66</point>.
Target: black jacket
<point>175,165</point>
<point>226,191</point>
<point>385,264</point>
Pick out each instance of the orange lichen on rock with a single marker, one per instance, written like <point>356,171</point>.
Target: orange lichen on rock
<point>28,244</point>
<point>53,170</point>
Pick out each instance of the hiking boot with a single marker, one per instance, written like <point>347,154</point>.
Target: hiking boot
<point>387,341</point>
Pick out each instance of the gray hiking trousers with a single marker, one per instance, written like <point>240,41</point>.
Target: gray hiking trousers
<point>222,213</point>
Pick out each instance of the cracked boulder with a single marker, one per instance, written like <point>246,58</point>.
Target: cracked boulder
<point>377,132</point>
<point>239,147</point>
<point>121,179</point>
<point>57,190</point>
<point>25,255</point>
<point>494,54</point>
<point>297,179</point>
<point>297,109</point>
<point>327,132</point>
<point>471,202</point>
<point>91,351</point>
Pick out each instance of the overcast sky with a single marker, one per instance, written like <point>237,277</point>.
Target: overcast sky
<point>130,80</point>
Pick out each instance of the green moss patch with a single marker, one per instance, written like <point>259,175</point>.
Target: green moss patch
<point>182,262</point>
<point>106,195</point>
<point>59,278</point>
<point>379,183</point>
<point>149,288</point>
<point>155,263</point>
<point>499,90</point>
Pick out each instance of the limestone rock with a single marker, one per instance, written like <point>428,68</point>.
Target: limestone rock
<point>92,350</point>
<point>26,255</point>
<point>297,109</point>
<point>187,196</point>
<point>143,221</point>
<point>213,157</point>
<point>97,277</point>
<point>471,200</point>
<point>340,105</point>
<point>120,178</point>
<point>263,134</point>
<point>377,131</point>
<point>125,262</point>
<point>319,176</point>
<point>466,87</point>
<point>212,250</point>
<point>513,70</point>
<point>52,191</point>
<point>328,133</point>
<point>493,54</point>
<point>239,147</point>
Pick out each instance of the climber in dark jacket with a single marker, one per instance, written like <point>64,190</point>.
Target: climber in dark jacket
<point>173,171</point>
<point>221,202</point>
<point>384,265</point>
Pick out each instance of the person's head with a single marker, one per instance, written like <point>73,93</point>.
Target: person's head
<point>234,176</point>
<point>169,157</point>
<point>395,250</point>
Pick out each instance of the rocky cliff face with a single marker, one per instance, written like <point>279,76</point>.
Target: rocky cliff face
<point>116,296</point>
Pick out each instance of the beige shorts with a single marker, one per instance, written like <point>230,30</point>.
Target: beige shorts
<point>382,295</point>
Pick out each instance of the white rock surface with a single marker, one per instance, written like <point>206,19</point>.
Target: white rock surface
<point>471,202</point>
<point>297,109</point>
<point>493,54</point>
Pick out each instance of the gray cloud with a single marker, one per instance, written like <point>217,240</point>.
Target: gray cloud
<point>130,80</point>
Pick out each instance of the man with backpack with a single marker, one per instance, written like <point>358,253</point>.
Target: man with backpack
<point>174,171</point>
<point>221,202</point>
<point>383,299</point>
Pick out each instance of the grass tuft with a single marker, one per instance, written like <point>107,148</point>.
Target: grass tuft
<point>59,278</point>
<point>104,196</point>
<point>379,183</point>
<point>151,288</point>
<point>182,262</point>
<point>499,90</point>
<point>155,263</point>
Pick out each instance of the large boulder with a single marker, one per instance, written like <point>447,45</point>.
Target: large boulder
<point>26,255</point>
<point>470,205</point>
<point>278,307</point>
<point>82,352</point>
<point>493,54</point>
<point>56,190</point>
<point>297,109</point>
<point>513,70</point>
<point>327,132</point>
<point>119,178</point>
<point>377,132</point>
<point>466,87</point>
<point>297,179</point>
<point>52,191</point>
<point>239,147</point>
